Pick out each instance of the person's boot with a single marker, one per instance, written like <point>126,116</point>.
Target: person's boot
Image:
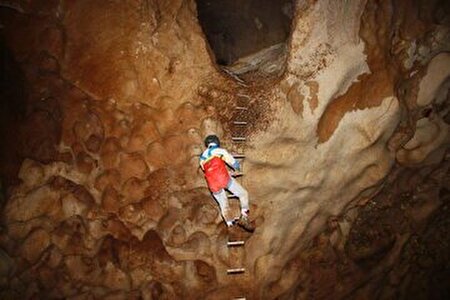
<point>245,223</point>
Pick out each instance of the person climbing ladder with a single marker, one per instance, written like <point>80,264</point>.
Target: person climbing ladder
<point>213,162</point>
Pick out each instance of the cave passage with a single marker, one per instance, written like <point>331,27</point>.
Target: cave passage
<point>239,28</point>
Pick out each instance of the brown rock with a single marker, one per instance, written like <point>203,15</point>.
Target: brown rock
<point>206,272</point>
<point>136,143</point>
<point>154,290</point>
<point>119,295</point>
<point>142,135</point>
<point>117,229</point>
<point>108,251</point>
<point>47,277</point>
<point>132,165</point>
<point>79,268</point>
<point>20,230</point>
<point>41,136</point>
<point>313,99</point>
<point>178,235</point>
<point>198,241</point>
<point>34,245</point>
<point>155,156</point>
<point>72,205</point>
<point>90,131</point>
<point>115,278</point>
<point>93,143</point>
<point>109,177</point>
<point>31,172</point>
<point>175,150</point>
<point>172,216</point>
<point>85,163</point>
<point>205,213</point>
<point>152,208</point>
<point>133,213</point>
<point>121,128</point>
<point>110,153</point>
<point>55,258</point>
<point>295,97</point>
<point>110,160</point>
<point>42,201</point>
<point>77,197</point>
<point>6,265</point>
<point>44,7</point>
<point>48,64</point>
<point>134,189</point>
<point>70,237</point>
<point>187,116</point>
<point>51,39</point>
<point>111,199</point>
<point>111,144</point>
<point>163,120</point>
<point>77,148</point>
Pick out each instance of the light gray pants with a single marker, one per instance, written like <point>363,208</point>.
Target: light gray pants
<point>221,197</point>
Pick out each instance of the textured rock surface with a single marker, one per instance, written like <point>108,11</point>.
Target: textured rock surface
<point>104,107</point>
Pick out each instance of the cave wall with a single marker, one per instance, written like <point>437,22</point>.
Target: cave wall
<point>348,113</point>
<point>103,152</point>
<point>347,159</point>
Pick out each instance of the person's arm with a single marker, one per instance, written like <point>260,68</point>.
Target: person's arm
<point>228,158</point>
<point>200,161</point>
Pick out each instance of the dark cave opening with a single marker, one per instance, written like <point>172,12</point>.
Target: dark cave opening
<point>13,105</point>
<point>241,28</point>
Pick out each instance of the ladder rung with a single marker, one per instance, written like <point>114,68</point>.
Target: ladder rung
<point>237,78</point>
<point>240,123</point>
<point>241,108</point>
<point>235,243</point>
<point>238,139</point>
<point>236,271</point>
<point>243,96</point>
<point>231,196</point>
<point>237,174</point>
<point>241,298</point>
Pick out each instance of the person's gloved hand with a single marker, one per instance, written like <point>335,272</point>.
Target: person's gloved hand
<point>237,166</point>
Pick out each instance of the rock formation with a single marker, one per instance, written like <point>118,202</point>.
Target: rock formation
<point>104,107</point>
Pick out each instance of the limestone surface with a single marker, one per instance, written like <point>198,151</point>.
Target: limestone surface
<point>104,108</point>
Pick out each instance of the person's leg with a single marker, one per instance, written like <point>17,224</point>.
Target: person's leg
<point>222,200</point>
<point>236,189</point>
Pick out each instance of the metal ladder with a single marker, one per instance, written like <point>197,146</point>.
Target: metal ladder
<point>238,138</point>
